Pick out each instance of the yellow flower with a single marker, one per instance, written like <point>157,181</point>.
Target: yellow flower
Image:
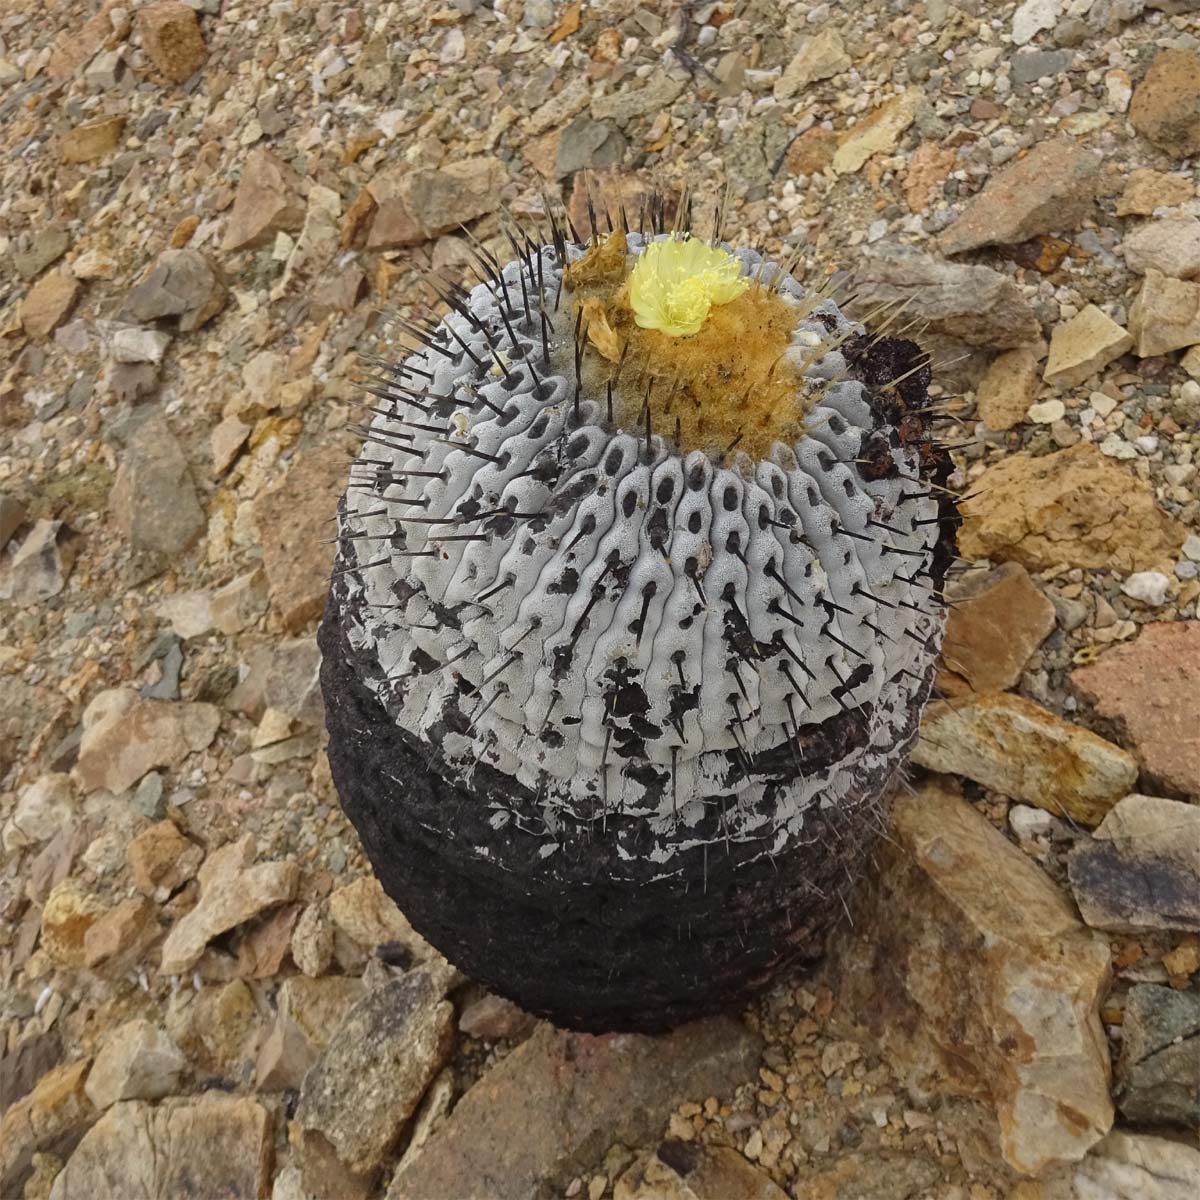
<point>676,282</point>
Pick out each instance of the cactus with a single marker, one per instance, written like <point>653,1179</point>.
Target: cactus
<point>637,603</point>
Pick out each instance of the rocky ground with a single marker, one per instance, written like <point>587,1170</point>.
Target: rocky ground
<point>204,208</point>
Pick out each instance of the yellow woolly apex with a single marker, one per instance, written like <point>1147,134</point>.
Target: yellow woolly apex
<point>676,282</point>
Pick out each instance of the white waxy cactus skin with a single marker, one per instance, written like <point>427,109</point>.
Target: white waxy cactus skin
<point>647,634</point>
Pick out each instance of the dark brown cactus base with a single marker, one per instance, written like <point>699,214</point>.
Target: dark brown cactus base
<point>589,939</point>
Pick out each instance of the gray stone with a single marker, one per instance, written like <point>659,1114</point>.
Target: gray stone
<point>169,655</point>
<point>556,1103</point>
<point>39,567</point>
<point>181,284</point>
<point>1141,870</point>
<point>1158,1072</point>
<point>35,252</point>
<point>153,500</point>
<point>974,304</point>
<point>376,1068</point>
<point>283,676</point>
<point>588,144</point>
<point>1032,65</point>
<point>147,800</point>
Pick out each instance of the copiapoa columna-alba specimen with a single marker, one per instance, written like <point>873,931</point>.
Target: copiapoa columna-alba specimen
<point>637,602</point>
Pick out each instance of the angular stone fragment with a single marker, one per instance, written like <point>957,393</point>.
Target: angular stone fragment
<point>232,891</point>
<point>268,201</point>
<point>976,305</point>
<point>1165,315</point>
<point>92,140</point>
<point>376,1068</point>
<point>1012,746</point>
<point>978,976</point>
<point>214,1146</point>
<point>362,910</point>
<point>415,204</point>
<point>34,252</point>
<point>998,621</point>
<point>1073,507</point>
<point>1147,190</point>
<point>1141,869</point>
<point>69,912</point>
<point>39,568</point>
<point>162,860</point>
<point>1171,246</point>
<point>172,39</point>
<point>292,519</point>
<point>309,1012</point>
<point>1165,108</point>
<point>43,807</point>
<point>137,1061</point>
<point>1150,690</point>
<point>153,499</point>
<point>1052,188</point>
<point>240,602</point>
<point>124,736</point>
<point>48,304</point>
<point>492,1017</point>
<point>1133,1166</point>
<point>819,57</point>
<point>877,132</point>
<point>12,517</point>
<point>558,1101</point>
<point>1007,390</point>
<point>689,1171</point>
<point>49,1120</point>
<point>179,283</point>
<point>1158,1073</point>
<point>1083,346</point>
<point>118,937</point>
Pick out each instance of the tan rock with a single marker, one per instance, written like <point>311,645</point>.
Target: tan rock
<point>308,1014</point>
<point>819,57</point>
<point>92,140</point>
<point>493,1017</point>
<point>1012,746</point>
<point>207,1147</point>
<point>1150,689</point>
<point>877,133</point>
<point>51,1119</point>
<point>42,809</point>
<point>1165,316</point>
<point>365,913</point>
<point>683,1171</point>
<point>1083,346</point>
<point>1147,190</point>
<point>1073,507</point>
<point>1171,246</point>
<point>240,603</point>
<point>232,891</point>
<point>69,912</point>
<point>172,39</point>
<point>48,304</point>
<point>294,518</point>
<point>74,47</point>
<point>268,200</point>
<point>976,973</point>
<point>125,735</point>
<point>1137,1165</point>
<point>228,438</point>
<point>1008,389</point>
<point>137,1061</point>
<point>1165,108</point>
<point>119,936</point>
<point>1052,188</point>
<point>416,204</point>
<point>161,860</point>
<point>218,1029</point>
<point>998,621</point>
<point>312,941</point>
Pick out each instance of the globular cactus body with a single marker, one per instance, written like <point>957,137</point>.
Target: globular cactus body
<point>636,606</point>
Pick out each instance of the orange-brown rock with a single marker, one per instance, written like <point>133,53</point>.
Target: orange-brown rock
<point>1165,108</point>
<point>1150,690</point>
<point>998,621</point>
<point>1075,508</point>
<point>50,1120</point>
<point>172,39</point>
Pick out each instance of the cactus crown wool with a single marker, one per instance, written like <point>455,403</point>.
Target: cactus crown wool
<point>655,536</point>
